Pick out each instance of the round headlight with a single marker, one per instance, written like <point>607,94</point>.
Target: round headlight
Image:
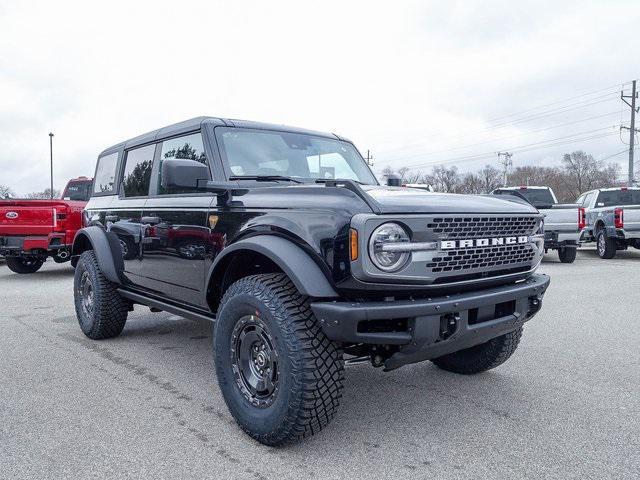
<point>386,235</point>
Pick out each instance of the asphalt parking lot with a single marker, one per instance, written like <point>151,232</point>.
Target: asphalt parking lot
<point>146,404</point>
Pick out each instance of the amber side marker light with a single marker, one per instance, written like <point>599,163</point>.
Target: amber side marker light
<point>353,244</point>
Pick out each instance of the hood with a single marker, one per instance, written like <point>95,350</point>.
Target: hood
<point>378,198</point>
<point>411,200</point>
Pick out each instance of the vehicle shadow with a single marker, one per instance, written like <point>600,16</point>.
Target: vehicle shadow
<point>423,390</point>
<point>41,275</point>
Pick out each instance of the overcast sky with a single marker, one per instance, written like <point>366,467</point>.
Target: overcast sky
<point>414,82</point>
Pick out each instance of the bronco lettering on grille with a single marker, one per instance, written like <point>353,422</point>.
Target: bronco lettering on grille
<point>482,242</point>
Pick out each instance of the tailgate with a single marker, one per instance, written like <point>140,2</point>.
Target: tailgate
<point>561,218</point>
<point>631,218</point>
<point>29,218</point>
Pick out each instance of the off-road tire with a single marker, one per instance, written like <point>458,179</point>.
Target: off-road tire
<point>482,357</point>
<point>605,246</point>
<point>310,368</point>
<point>567,254</point>
<point>24,264</point>
<point>108,315</point>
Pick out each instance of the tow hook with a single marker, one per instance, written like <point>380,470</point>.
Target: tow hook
<point>534,305</point>
<point>448,325</point>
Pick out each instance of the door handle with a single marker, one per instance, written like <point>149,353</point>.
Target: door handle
<point>150,220</point>
<point>111,218</point>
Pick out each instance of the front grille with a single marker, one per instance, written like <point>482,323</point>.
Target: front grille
<point>481,227</point>
<point>481,257</point>
<point>480,260</point>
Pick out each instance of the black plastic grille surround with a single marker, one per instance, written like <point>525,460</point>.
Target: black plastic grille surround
<point>481,227</point>
<point>482,258</point>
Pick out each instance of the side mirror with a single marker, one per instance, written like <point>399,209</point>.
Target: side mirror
<point>394,180</point>
<point>182,173</point>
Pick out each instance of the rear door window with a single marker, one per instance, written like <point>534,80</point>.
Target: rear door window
<point>137,171</point>
<point>105,174</point>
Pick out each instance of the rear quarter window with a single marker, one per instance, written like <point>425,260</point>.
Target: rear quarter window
<point>104,182</point>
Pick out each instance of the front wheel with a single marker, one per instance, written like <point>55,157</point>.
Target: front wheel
<point>24,264</point>
<point>482,357</point>
<point>606,246</point>
<point>567,254</point>
<point>280,376</point>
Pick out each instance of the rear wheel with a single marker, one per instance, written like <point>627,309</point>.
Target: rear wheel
<point>280,376</point>
<point>482,357</point>
<point>24,264</point>
<point>605,246</point>
<point>567,254</point>
<point>101,311</point>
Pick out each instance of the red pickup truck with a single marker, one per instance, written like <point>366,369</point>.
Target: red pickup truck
<point>32,230</point>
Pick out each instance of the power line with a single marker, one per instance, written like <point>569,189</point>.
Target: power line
<point>534,143</point>
<point>592,92</point>
<point>537,116</point>
<point>462,147</point>
<point>518,149</point>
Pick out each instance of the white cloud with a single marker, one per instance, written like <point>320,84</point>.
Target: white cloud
<point>386,74</point>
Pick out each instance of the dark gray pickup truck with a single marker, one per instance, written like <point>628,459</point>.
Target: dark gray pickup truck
<point>285,240</point>
<point>612,219</point>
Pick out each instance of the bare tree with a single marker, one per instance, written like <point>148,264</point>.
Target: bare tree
<point>386,171</point>
<point>490,177</point>
<point>444,179</point>
<point>403,171</point>
<point>6,192</point>
<point>44,195</point>
<point>471,184</point>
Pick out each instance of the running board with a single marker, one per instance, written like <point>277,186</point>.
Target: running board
<point>164,306</point>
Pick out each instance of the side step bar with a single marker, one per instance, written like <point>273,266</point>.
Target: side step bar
<point>164,306</point>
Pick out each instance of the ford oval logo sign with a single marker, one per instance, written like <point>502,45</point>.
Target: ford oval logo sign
<point>11,215</point>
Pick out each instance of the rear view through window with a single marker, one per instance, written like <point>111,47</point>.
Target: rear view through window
<point>538,197</point>
<point>614,198</point>
<point>106,174</point>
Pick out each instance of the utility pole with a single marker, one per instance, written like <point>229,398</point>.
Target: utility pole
<point>631,127</point>
<point>369,159</point>
<point>506,164</point>
<point>51,157</point>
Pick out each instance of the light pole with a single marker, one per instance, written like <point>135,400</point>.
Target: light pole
<point>51,156</point>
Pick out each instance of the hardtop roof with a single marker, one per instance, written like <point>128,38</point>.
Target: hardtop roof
<point>197,123</point>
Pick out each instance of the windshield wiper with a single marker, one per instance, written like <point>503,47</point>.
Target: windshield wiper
<point>265,178</point>
<point>325,180</point>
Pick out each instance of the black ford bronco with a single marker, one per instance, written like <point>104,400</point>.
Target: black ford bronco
<point>285,240</point>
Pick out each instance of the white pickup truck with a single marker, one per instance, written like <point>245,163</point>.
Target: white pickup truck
<point>563,222</point>
<point>612,219</point>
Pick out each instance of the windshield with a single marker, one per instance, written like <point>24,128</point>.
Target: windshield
<point>537,196</point>
<point>616,198</point>
<point>77,191</point>
<point>251,152</point>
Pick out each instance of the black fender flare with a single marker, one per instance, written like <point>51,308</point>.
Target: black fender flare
<point>106,247</point>
<point>305,274</point>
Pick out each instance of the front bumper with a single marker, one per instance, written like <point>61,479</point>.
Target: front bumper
<point>429,328</point>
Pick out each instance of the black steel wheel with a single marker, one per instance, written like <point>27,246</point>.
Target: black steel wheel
<point>24,264</point>
<point>254,360</point>
<point>280,376</point>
